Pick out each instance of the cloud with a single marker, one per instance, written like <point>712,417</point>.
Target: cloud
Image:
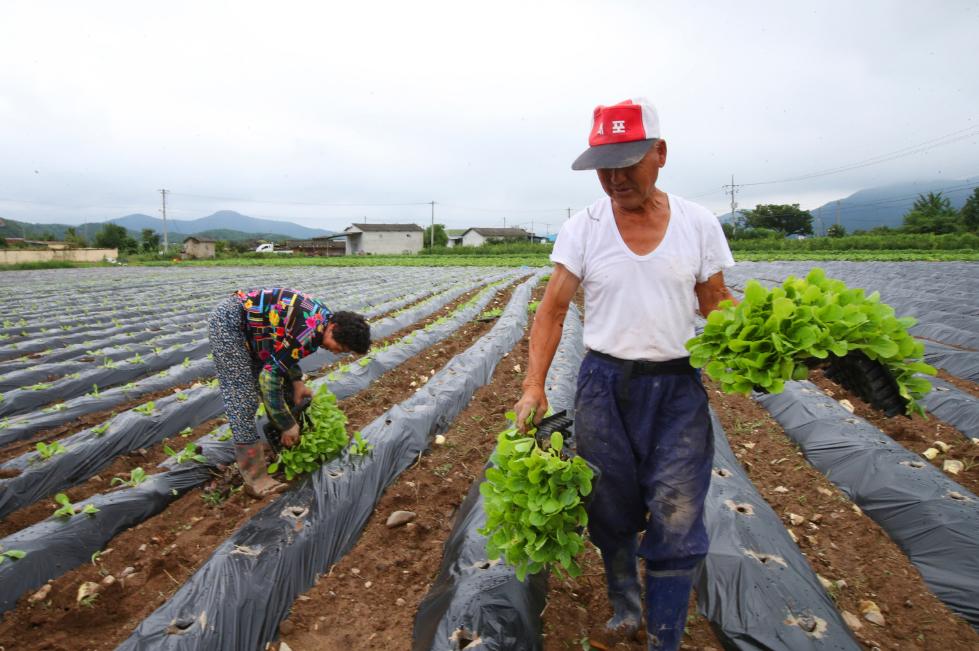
<point>479,107</point>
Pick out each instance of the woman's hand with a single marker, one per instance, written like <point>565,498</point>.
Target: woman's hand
<point>291,436</point>
<point>300,392</point>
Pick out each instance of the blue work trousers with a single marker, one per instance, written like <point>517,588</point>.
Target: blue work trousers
<point>650,435</point>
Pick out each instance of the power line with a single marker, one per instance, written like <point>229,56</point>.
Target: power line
<point>301,203</point>
<point>940,141</point>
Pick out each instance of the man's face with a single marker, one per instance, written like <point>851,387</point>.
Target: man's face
<point>629,187</point>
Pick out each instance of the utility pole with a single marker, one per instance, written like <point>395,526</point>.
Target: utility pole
<point>569,213</point>
<point>837,212</point>
<point>733,190</point>
<point>819,218</point>
<point>431,236</point>
<point>166,244</point>
<point>504,222</point>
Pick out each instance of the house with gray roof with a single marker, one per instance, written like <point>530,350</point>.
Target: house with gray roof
<point>480,236</point>
<point>373,239</point>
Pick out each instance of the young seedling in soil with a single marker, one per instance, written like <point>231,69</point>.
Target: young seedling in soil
<point>147,408</point>
<point>68,509</point>
<point>189,453</point>
<point>360,447</point>
<point>101,429</point>
<point>48,450</point>
<point>12,554</point>
<point>136,477</point>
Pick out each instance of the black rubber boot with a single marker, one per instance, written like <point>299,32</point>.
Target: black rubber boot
<point>622,574</point>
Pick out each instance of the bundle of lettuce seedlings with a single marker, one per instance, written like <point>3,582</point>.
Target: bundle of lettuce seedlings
<point>776,335</point>
<point>324,436</point>
<point>533,502</point>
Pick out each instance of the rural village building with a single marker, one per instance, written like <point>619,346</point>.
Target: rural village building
<point>480,236</point>
<point>198,247</point>
<point>369,239</point>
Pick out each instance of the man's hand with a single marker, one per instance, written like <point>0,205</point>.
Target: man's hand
<point>291,436</point>
<point>533,403</point>
<point>300,391</point>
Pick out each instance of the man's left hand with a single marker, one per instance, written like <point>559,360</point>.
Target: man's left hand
<point>300,392</point>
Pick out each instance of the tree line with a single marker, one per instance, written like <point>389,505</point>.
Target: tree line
<point>931,213</point>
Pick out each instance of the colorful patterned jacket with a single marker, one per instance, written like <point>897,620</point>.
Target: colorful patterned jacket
<point>282,327</point>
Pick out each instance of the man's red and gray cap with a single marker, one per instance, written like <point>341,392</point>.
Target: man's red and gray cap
<point>620,135</point>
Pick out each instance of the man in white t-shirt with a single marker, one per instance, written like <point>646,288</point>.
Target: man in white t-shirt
<point>648,261</point>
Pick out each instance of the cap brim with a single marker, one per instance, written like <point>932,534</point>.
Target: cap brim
<point>620,154</point>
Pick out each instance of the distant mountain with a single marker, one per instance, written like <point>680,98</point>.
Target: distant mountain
<point>223,219</point>
<point>13,228</point>
<point>885,205</point>
<point>236,236</point>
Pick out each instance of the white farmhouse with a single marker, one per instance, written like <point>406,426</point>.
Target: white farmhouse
<point>480,236</point>
<point>367,239</point>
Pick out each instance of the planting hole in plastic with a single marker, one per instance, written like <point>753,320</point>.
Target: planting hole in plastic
<point>913,464</point>
<point>180,626</point>
<point>463,638</point>
<point>294,512</point>
<point>813,626</point>
<point>485,565</point>
<point>722,472</point>
<point>766,559</point>
<point>958,496</point>
<point>743,508</point>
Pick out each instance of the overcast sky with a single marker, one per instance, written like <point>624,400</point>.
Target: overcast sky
<point>279,110</point>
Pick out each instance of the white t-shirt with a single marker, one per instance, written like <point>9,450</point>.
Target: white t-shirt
<point>642,306</point>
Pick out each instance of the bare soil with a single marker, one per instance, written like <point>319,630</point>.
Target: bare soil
<point>915,433</point>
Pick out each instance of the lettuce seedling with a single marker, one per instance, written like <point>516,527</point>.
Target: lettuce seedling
<point>48,450</point>
<point>322,440</point>
<point>533,502</point>
<point>136,477</point>
<point>773,336</point>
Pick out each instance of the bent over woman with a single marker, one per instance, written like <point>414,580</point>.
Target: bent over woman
<point>258,337</point>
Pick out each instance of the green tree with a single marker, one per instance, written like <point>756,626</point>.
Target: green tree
<point>114,236</point>
<point>728,230</point>
<point>970,212</point>
<point>932,213</point>
<point>441,238</point>
<point>836,230</point>
<point>150,240</point>
<point>73,239</point>
<point>784,218</point>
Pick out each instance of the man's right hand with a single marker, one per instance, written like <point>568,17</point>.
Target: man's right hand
<point>291,436</point>
<point>532,402</point>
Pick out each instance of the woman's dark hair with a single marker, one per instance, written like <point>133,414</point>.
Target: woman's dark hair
<point>352,331</point>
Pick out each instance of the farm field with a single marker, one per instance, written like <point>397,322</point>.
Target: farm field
<point>820,515</point>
